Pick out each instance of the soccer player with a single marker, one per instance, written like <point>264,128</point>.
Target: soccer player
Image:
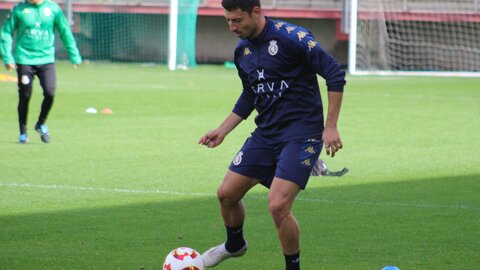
<point>278,63</point>
<point>34,22</point>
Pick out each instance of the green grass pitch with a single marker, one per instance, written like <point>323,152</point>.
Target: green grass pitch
<point>120,191</point>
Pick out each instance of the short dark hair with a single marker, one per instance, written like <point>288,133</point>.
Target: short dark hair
<point>245,5</point>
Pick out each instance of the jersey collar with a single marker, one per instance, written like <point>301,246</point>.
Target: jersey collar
<point>264,33</point>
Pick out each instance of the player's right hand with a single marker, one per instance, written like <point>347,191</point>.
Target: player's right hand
<point>211,139</point>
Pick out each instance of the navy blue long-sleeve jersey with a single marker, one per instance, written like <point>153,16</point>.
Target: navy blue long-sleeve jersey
<point>278,72</point>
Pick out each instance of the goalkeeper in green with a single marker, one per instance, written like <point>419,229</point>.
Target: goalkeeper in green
<point>34,23</point>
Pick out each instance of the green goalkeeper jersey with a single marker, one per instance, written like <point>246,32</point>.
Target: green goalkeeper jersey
<point>35,37</point>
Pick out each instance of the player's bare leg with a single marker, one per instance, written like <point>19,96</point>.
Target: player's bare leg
<point>230,194</point>
<point>280,200</point>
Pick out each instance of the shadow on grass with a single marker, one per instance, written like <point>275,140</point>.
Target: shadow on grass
<point>423,224</point>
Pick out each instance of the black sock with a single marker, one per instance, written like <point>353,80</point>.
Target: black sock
<point>235,239</point>
<point>292,262</point>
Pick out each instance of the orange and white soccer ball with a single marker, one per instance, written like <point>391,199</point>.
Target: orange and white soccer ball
<point>183,258</point>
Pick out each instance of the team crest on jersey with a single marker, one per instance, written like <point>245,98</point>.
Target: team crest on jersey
<point>238,159</point>
<point>26,11</point>
<point>47,11</point>
<point>301,35</point>
<point>312,44</point>
<point>246,51</point>
<point>273,48</point>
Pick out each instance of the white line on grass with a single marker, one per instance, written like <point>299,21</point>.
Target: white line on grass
<point>115,190</point>
<point>177,193</point>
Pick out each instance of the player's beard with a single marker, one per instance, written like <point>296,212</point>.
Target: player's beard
<point>248,33</point>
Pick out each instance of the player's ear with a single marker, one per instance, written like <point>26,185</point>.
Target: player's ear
<point>256,12</point>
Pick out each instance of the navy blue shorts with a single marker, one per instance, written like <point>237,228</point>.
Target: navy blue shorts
<point>263,160</point>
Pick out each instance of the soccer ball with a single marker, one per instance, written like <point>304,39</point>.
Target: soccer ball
<point>183,258</point>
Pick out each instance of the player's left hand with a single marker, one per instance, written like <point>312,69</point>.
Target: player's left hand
<point>331,141</point>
